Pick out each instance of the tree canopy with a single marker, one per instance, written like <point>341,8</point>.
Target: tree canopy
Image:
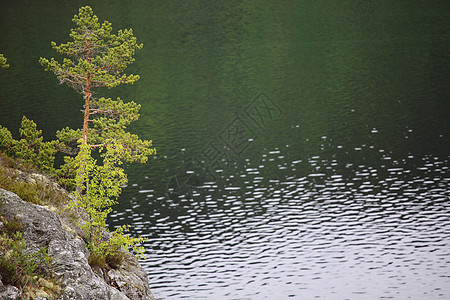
<point>95,58</point>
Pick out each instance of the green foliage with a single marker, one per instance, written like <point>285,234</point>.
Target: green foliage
<point>30,153</point>
<point>35,192</point>
<point>110,252</point>
<point>17,266</point>
<point>3,63</point>
<point>67,172</point>
<point>110,120</point>
<point>119,238</point>
<point>12,226</point>
<point>30,148</point>
<point>99,188</point>
<point>95,58</point>
<point>96,55</point>
<point>6,140</point>
<point>7,161</point>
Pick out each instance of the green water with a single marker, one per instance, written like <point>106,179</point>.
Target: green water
<point>234,92</point>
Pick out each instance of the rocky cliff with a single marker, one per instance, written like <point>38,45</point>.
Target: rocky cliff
<point>69,267</point>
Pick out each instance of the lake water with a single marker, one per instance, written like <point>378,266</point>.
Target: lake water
<point>303,146</point>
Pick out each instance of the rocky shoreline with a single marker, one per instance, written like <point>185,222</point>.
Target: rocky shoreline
<point>75,278</point>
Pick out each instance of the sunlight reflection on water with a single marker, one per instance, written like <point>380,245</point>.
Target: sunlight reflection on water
<point>328,235</point>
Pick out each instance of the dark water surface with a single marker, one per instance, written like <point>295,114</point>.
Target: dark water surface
<point>303,146</point>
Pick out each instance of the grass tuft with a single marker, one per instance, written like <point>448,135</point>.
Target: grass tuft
<point>29,190</point>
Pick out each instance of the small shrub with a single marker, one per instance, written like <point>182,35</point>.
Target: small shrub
<point>35,192</point>
<point>115,258</point>
<point>110,253</point>
<point>97,260</point>
<point>12,226</point>
<point>7,161</point>
<point>31,148</point>
<point>16,267</point>
<point>19,268</point>
<point>66,173</point>
<point>6,140</point>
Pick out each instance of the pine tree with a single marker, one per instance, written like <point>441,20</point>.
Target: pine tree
<point>31,148</point>
<point>97,58</point>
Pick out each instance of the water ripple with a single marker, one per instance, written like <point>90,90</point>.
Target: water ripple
<point>301,232</point>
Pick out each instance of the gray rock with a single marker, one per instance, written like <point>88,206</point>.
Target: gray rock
<point>10,292</point>
<point>70,256</point>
